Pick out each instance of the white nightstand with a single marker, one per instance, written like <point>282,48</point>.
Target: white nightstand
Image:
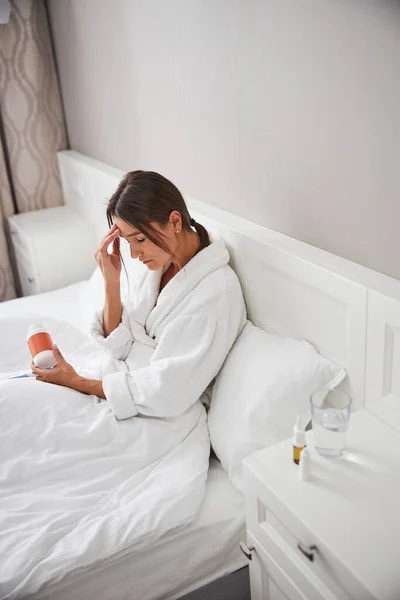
<point>336,536</point>
<point>53,247</point>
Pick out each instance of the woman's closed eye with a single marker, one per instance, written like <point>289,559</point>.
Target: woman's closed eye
<point>141,240</point>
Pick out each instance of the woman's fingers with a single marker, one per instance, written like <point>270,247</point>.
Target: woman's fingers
<point>40,373</point>
<point>57,354</point>
<point>115,247</point>
<point>106,241</point>
<point>111,230</point>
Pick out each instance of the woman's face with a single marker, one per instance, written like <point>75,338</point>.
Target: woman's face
<point>145,250</point>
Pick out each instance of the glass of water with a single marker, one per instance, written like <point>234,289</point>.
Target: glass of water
<point>330,412</point>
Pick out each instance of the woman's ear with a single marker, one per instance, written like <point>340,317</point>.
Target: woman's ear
<point>175,221</point>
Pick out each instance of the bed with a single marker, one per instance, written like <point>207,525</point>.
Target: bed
<point>344,310</point>
<point>180,561</point>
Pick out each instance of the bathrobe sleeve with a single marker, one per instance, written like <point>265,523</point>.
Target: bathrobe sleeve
<point>119,342</point>
<point>189,354</point>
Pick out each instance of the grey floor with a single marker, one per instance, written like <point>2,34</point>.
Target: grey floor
<point>232,587</point>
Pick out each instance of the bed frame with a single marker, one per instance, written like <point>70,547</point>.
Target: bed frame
<point>350,313</point>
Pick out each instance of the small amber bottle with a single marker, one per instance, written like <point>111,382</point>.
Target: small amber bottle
<point>299,441</point>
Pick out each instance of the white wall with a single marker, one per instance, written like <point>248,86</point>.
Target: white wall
<point>286,112</point>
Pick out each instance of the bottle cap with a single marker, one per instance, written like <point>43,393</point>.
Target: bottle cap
<point>34,329</point>
<point>305,465</point>
<point>299,435</point>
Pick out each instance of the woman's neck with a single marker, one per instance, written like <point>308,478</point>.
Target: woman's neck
<point>188,248</point>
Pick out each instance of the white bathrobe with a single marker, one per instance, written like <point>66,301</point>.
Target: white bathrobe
<point>170,346</point>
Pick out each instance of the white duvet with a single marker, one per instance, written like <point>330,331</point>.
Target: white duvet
<point>77,485</point>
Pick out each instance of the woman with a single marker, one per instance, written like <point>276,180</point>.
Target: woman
<point>82,485</point>
<point>187,311</point>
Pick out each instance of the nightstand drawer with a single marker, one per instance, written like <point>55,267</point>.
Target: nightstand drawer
<point>28,276</point>
<point>282,543</point>
<point>29,281</point>
<point>272,580</point>
<point>22,242</point>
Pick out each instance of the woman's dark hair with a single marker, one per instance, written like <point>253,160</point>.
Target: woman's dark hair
<point>145,197</point>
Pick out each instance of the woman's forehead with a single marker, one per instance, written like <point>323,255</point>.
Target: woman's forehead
<point>126,229</point>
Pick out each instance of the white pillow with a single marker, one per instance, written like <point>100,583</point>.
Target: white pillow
<point>265,383</point>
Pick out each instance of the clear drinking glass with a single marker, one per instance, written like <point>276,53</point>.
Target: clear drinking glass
<point>330,412</point>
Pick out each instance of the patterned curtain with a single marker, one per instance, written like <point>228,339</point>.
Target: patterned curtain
<point>32,124</point>
<point>7,289</point>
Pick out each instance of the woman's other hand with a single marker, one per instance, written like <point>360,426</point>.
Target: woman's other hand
<point>62,374</point>
<point>110,264</point>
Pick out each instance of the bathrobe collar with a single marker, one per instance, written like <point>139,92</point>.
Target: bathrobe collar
<point>202,264</point>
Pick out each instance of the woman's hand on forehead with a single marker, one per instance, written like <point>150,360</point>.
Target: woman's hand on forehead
<point>109,262</point>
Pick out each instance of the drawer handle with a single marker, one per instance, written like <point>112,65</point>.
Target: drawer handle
<point>246,551</point>
<point>308,551</point>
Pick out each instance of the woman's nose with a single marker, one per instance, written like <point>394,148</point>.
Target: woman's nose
<point>135,253</point>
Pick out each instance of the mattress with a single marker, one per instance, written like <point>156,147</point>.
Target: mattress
<point>180,561</point>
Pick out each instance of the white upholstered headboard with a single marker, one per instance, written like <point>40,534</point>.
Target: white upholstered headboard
<point>350,313</point>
